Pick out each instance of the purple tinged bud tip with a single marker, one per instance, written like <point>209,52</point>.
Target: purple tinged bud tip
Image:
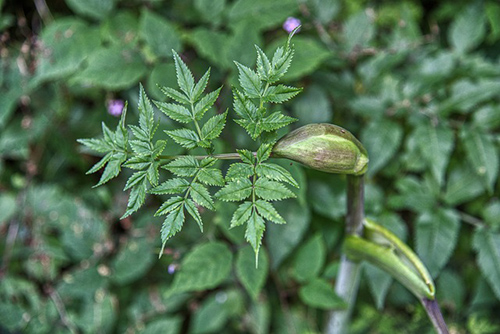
<point>115,107</point>
<point>290,24</point>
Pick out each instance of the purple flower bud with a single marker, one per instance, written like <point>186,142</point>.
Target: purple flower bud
<point>115,107</point>
<point>290,24</point>
<point>171,268</point>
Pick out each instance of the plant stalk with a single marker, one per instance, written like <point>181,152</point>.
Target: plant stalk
<point>223,156</point>
<point>346,285</point>
<point>434,313</point>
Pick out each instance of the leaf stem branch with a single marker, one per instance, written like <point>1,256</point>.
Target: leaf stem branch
<point>223,156</point>
<point>56,299</point>
<point>346,285</point>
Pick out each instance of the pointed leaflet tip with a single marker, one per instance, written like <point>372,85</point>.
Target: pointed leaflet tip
<point>294,31</point>
<point>185,78</point>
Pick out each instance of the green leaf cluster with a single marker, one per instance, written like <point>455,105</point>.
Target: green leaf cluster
<point>258,86</point>
<point>191,106</point>
<point>257,183</point>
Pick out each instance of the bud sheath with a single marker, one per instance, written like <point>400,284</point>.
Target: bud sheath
<point>325,147</point>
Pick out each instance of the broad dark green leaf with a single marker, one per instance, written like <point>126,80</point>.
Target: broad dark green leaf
<point>463,184</point>
<point>286,237</point>
<point>208,44</point>
<point>262,13</point>
<point>252,278</point>
<point>159,34</point>
<point>466,95</point>
<point>379,282</point>
<point>320,294</point>
<point>66,43</point>
<point>468,29</point>
<point>96,9</point>
<point>205,267</point>
<point>358,31</point>
<point>450,289</point>
<point>482,155</point>
<point>7,207</point>
<point>133,260</point>
<point>216,310</point>
<point>164,325</point>
<point>487,245</point>
<point>381,139</point>
<point>309,54</point>
<point>309,259</point>
<point>436,238</point>
<point>116,67</point>
<point>436,145</point>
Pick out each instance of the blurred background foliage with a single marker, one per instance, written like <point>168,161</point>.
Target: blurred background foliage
<point>417,81</point>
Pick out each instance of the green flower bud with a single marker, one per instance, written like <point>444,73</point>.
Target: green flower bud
<point>325,147</point>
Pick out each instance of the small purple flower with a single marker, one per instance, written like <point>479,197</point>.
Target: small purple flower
<point>171,268</point>
<point>115,107</point>
<point>290,24</point>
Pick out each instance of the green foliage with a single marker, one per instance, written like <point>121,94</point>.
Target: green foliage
<point>320,294</point>
<point>417,83</point>
<point>205,267</point>
<point>251,178</point>
<point>251,277</point>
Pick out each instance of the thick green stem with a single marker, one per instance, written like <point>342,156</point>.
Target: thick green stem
<point>347,282</point>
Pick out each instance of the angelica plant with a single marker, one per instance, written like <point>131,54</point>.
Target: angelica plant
<point>254,181</point>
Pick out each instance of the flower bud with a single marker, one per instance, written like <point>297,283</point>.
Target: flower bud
<point>325,147</point>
